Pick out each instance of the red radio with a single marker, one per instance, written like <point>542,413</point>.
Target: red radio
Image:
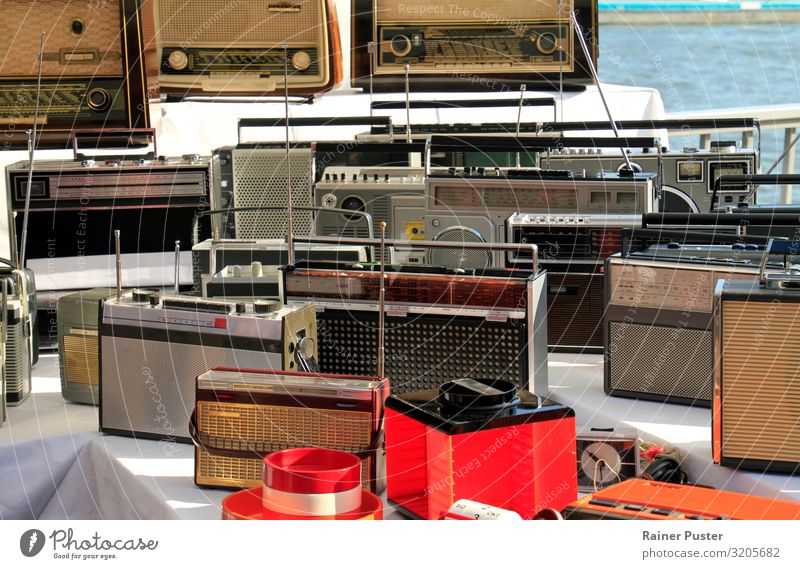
<point>479,440</point>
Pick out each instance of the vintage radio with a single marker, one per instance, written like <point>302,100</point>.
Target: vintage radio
<point>686,177</point>
<point>76,205</point>
<point>18,329</point>
<point>467,46</point>
<point>3,343</point>
<point>25,281</point>
<point>756,393</point>
<point>478,440</point>
<point>78,344</point>
<point>306,484</point>
<point>638,499</point>
<point>572,248</point>
<point>441,324</point>
<point>658,321</point>
<point>605,457</point>
<point>213,47</point>
<point>241,416</point>
<point>92,69</point>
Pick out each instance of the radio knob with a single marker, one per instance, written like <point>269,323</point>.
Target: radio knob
<point>400,45</point>
<point>266,306</point>
<point>386,178</point>
<point>301,60</point>
<point>98,100</point>
<point>547,43</point>
<point>336,177</point>
<point>375,178</point>
<point>178,60</point>
<point>256,269</point>
<point>241,308</point>
<point>355,177</point>
<point>139,295</point>
<point>365,178</point>
<point>329,200</point>
<point>306,347</point>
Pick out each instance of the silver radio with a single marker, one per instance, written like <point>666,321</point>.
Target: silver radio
<point>687,177</point>
<point>18,329</point>
<point>473,206</point>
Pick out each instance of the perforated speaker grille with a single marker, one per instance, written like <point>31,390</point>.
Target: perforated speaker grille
<point>17,377</point>
<point>259,180</point>
<point>248,23</point>
<point>460,257</point>
<point>148,386</point>
<point>761,380</point>
<point>336,224</point>
<point>660,361</point>
<point>81,359</point>
<point>575,305</point>
<point>422,352</point>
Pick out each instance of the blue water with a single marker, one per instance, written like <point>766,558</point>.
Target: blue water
<point>698,67</point>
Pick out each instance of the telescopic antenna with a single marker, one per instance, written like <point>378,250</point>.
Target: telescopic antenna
<point>408,106</point>
<point>382,306</point>
<point>177,267</point>
<point>31,147</point>
<point>118,258</point>
<point>593,69</point>
<point>519,117</point>
<point>289,228</point>
<point>371,51</point>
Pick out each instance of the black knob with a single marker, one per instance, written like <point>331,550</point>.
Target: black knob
<point>386,178</point>
<point>355,177</point>
<point>366,178</point>
<point>481,171</point>
<point>375,178</point>
<point>140,295</point>
<point>451,171</point>
<point>327,177</point>
<point>335,178</point>
<point>241,308</point>
<point>266,306</point>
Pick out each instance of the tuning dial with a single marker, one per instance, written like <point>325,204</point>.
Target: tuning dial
<point>178,60</point>
<point>547,43</point>
<point>329,200</point>
<point>400,45</point>
<point>301,60</point>
<point>266,306</point>
<point>141,295</point>
<point>98,100</point>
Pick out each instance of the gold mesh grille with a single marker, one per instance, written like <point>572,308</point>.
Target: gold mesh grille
<point>98,46</point>
<point>243,23</point>
<point>80,359</point>
<point>761,380</point>
<point>470,10</point>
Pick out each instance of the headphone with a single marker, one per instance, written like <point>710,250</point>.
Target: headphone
<point>665,469</point>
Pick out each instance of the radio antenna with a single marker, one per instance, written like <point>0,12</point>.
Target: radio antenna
<point>593,69</point>
<point>31,147</point>
<point>561,61</point>
<point>118,258</point>
<point>382,306</point>
<point>177,267</point>
<point>289,228</point>
<point>371,51</point>
<point>408,106</point>
<point>519,116</point>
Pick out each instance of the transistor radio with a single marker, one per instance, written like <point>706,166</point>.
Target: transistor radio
<point>658,320</point>
<point>478,440</point>
<point>153,347</point>
<point>18,330</point>
<point>215,47</point>
<point>3,341</point>
<point>92,69</point>
<point>441,324</point>
<point>78,343</point>
<point>756,395</point>
<point>469,46</point>
<point>638,499</point>
<point>243,415</point>
<point>572,248</point>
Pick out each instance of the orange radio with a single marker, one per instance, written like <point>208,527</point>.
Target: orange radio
<point>219,47</point>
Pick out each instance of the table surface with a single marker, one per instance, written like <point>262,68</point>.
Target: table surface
<point>55,465</point>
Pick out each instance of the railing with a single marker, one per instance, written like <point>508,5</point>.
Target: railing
<point>772,117</point>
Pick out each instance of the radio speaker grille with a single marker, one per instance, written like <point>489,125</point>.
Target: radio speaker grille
<point>460,257</point>
<point>247,23</point>
<point>575,305</point>
<point>81,359</point>
<point>423,352</point>
<point>760,380</point>
<point>16,360</point>
<point>668,362</point>
<point>259,180</point>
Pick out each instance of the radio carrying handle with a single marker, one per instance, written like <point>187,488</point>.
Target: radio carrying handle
<point>720,218</point>
<point>310,121</point>
<point>752,180</point>
<point>787,248</point>
<point>109,133</point>
<point>630,234</point>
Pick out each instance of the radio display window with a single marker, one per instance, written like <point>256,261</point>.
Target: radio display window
<point>717,169</point>
<point>38,189</point>
<point>505,199</point>
<point>690,171</point>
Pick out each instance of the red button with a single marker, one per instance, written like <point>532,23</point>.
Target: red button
<point>220,323</point>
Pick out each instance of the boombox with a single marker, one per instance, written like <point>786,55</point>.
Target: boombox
<point>478,440</point>
<point>216,262</point>
<point>217,47</point>
<point>658,320</point>
<point>255,176</point>
<point>441,324</point>
<point>76,205</point>
<point>153,348</point>
<point>756,392</point>
<point>18,345</point>
<point>92,69</point>
<point>471,46</point>
<point>638,499</point>
<point>572,248</point>
<point>241,416</point>
<point>78,344</point>
<point>394,195</point>
<point>474,206</point>
<point>686,177</point>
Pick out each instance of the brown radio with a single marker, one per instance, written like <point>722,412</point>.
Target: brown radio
<point>218,47</point>
<point>91,66</point>
<point>470,44</point>
<point>241,416</point>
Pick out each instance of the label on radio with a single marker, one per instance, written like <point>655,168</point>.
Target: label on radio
<point>684,290</point>
<point>414,230</point>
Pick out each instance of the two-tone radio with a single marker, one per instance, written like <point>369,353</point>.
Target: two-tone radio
<point>470,46</point>
<point>214,47</point>
<point>91,66</point>
<point>441,324</point>
<point>241,416</point>
<point>18,331</point>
